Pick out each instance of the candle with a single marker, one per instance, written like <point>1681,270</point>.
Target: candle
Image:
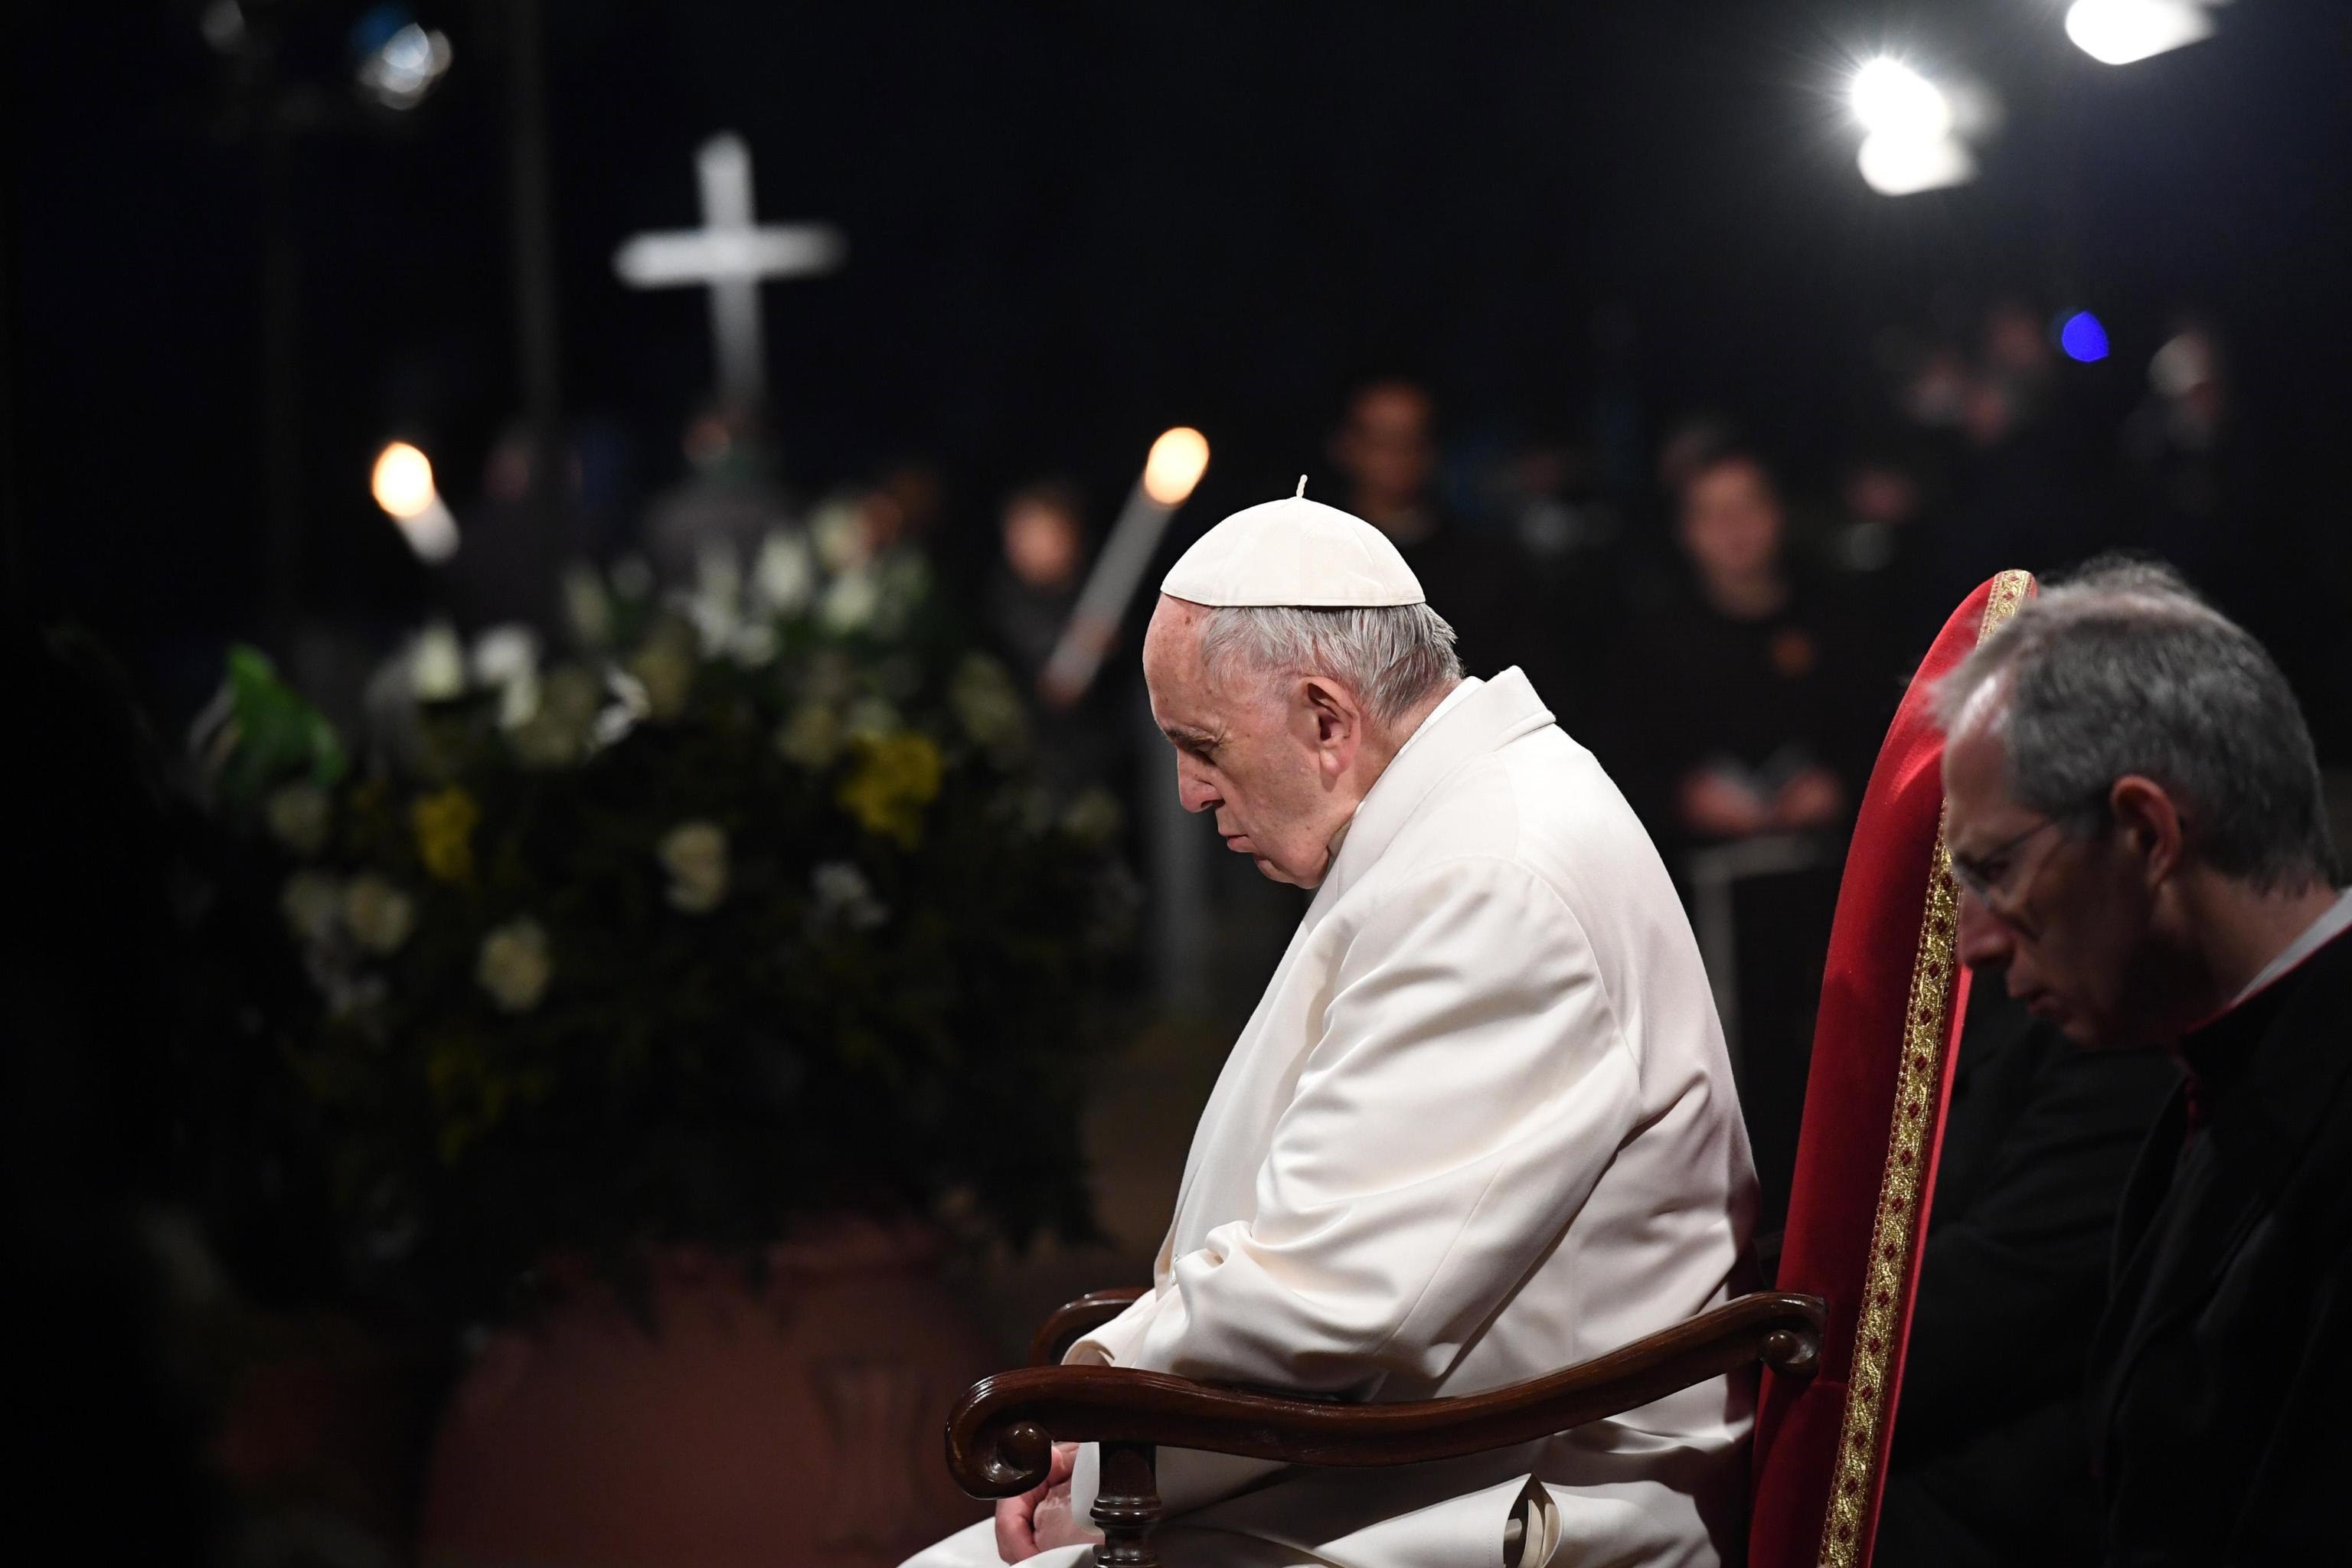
<point>1174,467</point>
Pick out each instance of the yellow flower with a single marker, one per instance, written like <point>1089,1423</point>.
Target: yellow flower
<point>444,822</point>
<point>894,778</point>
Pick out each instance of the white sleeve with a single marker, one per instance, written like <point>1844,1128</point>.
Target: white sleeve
<point>1468,1087</point>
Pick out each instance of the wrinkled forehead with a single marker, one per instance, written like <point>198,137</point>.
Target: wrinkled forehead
<point>1173,667</point>
<point>1183,688</point>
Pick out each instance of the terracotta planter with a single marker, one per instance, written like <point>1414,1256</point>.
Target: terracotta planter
<point>799,1424</point>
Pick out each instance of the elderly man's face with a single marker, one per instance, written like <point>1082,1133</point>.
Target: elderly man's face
<point>2063,917</point>
<point>1243,752</point>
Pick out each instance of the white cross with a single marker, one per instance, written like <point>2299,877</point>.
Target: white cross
<point>730,254</point>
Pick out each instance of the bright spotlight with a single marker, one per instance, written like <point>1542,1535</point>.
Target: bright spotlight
<point>1177,461</point>
<point>1893,101</point>
<point>1904,166</point>
<point>402,485</point>
<point>2118,32</point>
<point>2083,338</point>
<point>399,62</point>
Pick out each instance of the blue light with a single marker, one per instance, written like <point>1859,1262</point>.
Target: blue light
<point>2083,338</point>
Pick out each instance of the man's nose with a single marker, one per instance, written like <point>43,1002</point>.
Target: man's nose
<point>1984,939</point>
<point>1194,789</point>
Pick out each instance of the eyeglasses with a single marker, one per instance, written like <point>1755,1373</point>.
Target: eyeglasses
<point>1983,875</point>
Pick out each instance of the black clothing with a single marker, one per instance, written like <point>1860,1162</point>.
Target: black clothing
<point>1768,699</point>
<point>1990,1465</point>
<point>1695,688</point>
<point>2220,1394</point>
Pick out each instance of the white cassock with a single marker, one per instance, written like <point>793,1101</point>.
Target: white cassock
<point>1481,1126</point>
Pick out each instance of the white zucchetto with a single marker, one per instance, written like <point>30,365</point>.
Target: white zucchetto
<point>1294,553</point>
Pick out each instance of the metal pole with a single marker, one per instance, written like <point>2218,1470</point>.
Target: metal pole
<point>281,369</point>
<point>533,236</point>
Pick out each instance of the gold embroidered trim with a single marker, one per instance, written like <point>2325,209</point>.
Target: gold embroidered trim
<point>1894,1234</point>
<point>2009,590</point>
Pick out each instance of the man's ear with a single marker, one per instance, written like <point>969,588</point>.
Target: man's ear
<point>1339,723</point>
<point>2149,822</point>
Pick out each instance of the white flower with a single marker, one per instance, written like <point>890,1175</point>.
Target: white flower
<point>695,856</point>
<point>784,578</point>
<point>505,653</point>
<point>300,815</point>
<point>514,966</point>
<point>630,705</point>
<point>378,915</point>
<point>311,902</point>
<point>716,606</point>
<point>436,664</point>
<point>843,895</point>
<point>850,601</point>
<point>505,660</point>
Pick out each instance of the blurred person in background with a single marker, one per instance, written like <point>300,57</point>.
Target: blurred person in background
<point>1036,582</point>
<point>2021,475</point>
<point>727,505</point>
<point>1885,528</point>
<point>2186,464</point>
<point>1386,451</point>
<point>1031,591</point>
<point>1742,714</point>
<point>1738,694</point>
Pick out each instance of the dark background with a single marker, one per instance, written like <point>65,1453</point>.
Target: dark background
<point>1073,225</point>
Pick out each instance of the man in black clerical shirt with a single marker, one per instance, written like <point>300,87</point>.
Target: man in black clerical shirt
<point>2039,1137</point>
<point>2135,819</point>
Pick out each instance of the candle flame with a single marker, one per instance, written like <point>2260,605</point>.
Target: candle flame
<point>1178,460</point>
<point>402,481</point>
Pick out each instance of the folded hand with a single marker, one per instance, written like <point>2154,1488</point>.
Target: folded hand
<point>1042,1518</point>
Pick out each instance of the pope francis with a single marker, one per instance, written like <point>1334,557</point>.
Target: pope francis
<point>1481,1125</point>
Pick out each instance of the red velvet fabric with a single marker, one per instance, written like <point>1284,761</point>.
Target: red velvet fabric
<point>1849,1110</point>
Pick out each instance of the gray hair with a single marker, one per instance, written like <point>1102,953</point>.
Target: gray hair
<point>1392,657</point>
<point>2123,670</point>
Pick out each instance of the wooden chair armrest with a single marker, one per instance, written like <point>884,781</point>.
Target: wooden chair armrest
<point>1072,1320</point>
<point>999,1438</point>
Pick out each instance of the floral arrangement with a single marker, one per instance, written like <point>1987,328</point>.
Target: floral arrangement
<point>748,910</point>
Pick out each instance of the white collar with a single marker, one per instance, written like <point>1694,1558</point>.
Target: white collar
<point>1461,688</point>
<point>2333,922</point>
<point>1451,700</point>
<point>1477,717</point>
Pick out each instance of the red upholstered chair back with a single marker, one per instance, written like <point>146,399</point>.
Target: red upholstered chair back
<point>1892,998</point>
